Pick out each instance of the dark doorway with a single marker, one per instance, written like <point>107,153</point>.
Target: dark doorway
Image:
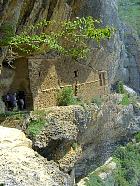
<point>21,81</point>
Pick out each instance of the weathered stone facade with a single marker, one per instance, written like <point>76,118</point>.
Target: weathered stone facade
<point>47,77</point>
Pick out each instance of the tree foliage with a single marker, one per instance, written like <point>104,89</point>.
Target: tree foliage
<point>66,37</point>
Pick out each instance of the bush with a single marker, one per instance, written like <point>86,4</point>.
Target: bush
<point>137,137</point>
<point>35,127</point>
<point>94,180</point>
<point>66,97</point>
<point>120,88</point>
<point>128,165</point>
<point>125,100</point>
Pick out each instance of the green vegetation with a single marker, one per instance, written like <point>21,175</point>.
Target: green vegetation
<point>39,113</point>
<point>137,137</point>
<point>120,88</point>
<point>125,100</point>
<point>66,97</point>
<point>129,11</point>
<point>14,115</point>
<point>128,163</point>
<point>129,99</point>
<point>127,172</point>
<point>97,100</point>
<point>35,127</point>
<point>37,123</point>
<point>66,37</point>
<point>94,180</point>
<point>7,32</point>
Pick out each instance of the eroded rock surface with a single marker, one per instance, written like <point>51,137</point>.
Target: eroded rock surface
<point>96,132</point>
<point>21,166</point>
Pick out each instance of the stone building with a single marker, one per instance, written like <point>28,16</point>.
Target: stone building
<point>41,79</point>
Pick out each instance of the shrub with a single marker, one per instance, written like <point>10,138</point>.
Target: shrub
<point>125,100</point>
<point>120,88</point>
<point>66,97</point>
<point>128,165</point>
<point>137,137</point>
<point>94,180</point>
<point>35,127</point>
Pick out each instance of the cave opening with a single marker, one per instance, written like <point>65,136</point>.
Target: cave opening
<point>20,82</point>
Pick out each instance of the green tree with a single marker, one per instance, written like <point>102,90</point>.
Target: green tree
<point>67,37</point>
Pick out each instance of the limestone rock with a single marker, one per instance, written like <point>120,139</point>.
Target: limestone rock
<point>129,90</point>
<point>113,125</point>
<point>21,166</point>
<point>96,131</point>
<point>104,172</point>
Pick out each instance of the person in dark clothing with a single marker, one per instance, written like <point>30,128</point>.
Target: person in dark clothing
<point>21,100</point>
<point>13,100</point>
<point>8,102</point>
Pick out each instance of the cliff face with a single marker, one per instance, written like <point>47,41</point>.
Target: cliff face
<point>77,138</point>
<point>119,56</point>
<point>82,138</point>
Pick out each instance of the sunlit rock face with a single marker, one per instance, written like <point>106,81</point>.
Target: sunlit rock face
<point>120,56</point>
<point>20,165</point>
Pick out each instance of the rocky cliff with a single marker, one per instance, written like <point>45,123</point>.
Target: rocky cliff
<point>85,137</point>
<point>119,56</point>
<point>77,138</point>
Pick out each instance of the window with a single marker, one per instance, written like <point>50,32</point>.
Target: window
<point>76,73</point>
<point>102,79</point>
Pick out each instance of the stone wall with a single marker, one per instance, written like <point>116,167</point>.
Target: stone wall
<point>47,77</point>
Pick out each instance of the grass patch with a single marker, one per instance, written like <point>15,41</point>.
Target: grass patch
<point>13,115</point>
<point>39,113</point>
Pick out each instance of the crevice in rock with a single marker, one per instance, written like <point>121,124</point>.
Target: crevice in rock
<point>27,13</point>
<point>51,9</point>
